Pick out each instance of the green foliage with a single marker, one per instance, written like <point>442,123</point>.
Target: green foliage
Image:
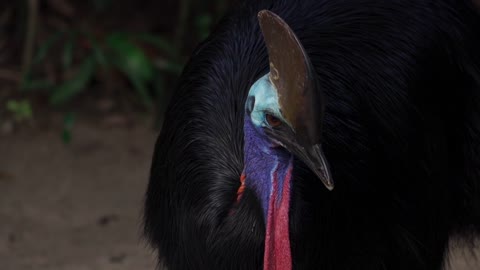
<point>97,51</point>
<point>67,90</point>
<point>67,55</point>
<point>29,84</point>
<point>21,109</point>
<point>148,61</point>
<point>116,51</point>
<point>130,59</point>
<point>68,122</point>
<point>121,52</point>
<point>44,48</point>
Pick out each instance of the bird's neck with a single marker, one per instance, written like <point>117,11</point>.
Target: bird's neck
<point>268,172</point>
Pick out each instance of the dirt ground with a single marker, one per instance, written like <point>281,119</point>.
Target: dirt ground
<point>78,206</point>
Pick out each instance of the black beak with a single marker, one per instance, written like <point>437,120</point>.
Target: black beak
<point>316,161</point>
<point>314,158</point>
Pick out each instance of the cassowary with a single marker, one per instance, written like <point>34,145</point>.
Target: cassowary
<point>322,134</point>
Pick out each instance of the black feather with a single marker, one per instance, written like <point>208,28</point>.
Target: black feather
<point>401,134</point>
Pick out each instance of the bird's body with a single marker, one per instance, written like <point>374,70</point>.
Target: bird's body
<point>400,130</point>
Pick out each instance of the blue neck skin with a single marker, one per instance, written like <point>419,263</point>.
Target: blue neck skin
<point>263,160</point>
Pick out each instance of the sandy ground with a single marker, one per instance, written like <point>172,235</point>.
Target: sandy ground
<point>78,206</point>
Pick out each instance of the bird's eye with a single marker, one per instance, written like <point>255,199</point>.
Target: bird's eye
<point>272,120</point>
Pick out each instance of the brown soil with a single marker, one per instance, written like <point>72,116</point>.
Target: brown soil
<point>78,206</point>
<point>74,206</point>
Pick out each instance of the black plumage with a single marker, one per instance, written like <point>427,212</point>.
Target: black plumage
<point>401,134</point>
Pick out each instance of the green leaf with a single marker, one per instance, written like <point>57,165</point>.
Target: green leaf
<point>67,56</point>
<point>133,62</point>
<point>44,48</point>
<point>129,58</point>
<point>22,110</point>
<point>70,88</point>
<point>98,52</point>
<point>68,122</point>
<point>40,55</point>
<point>12,106</point>
<point>39,84</point>
<point>66,136</point>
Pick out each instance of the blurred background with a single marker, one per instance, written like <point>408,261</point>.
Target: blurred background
<point>83,88</point>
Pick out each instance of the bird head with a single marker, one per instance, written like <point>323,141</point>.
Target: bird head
<point>286,105</point>
<point>283,119</point>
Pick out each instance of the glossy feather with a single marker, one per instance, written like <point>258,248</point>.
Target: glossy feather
<point>401,135</point>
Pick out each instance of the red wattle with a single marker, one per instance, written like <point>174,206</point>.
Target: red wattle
<point>277,240</point>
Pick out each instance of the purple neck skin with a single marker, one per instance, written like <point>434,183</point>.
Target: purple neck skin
<point>262,161</point>
<point>268,171</point>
